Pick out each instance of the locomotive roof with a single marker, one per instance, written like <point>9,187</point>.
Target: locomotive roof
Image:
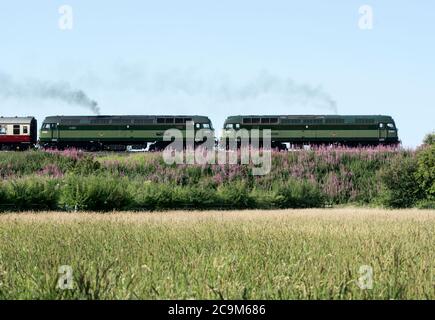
<point>16,120</point>
<point>59,119</point>
<point>347,117</point>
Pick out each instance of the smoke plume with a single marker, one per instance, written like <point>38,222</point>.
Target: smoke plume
<point>32,88</point>
<point>221,89</point>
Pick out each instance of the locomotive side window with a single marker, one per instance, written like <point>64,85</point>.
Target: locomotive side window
<point>2,130</point>
<point>16,129</point>
<point>381,125</point>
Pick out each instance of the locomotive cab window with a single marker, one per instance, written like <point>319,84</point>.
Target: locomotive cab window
<point>381,125</point>
<point>391,125</point>
<point>237,125</point>
<point>206,126</point>
<point>229,126</point>
<point>16,129</point>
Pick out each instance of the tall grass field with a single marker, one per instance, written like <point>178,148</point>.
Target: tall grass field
<point>284,254</point>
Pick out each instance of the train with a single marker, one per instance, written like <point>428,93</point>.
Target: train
<point>299,130</point>
<point>18,133</point>
<point>118,133</point>
<point>115,133</point>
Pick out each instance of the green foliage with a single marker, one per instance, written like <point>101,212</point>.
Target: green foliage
<point>299,194</point>
<point>3,194</point>
<point>426,204</point>
<point>107,181</point>
<point>33,193</point>
<point>235,195</point>
<point>401,188</point>
<point>95,193</point>
<point>429,139</point>
<point>425,172</point>
<point>150,196</point>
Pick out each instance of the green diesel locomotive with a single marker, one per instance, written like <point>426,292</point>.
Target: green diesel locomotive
<point>116,133</point>
<point>299,130</point>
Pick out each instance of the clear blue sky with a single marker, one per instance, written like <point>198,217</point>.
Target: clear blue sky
<point>217,57</point>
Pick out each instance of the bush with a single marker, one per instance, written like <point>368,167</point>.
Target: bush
<point>151,196</point>
<point>235,195</point>
<point>299,194</point>
<point>3,194</point>
<point>35,193</point>
<point>429,139</point>
<point>95,193</point>
<point>400,186</point>
<point>263,199</point>
<point>198,198</point>
<point>426,204</point>
<point>426,170</point>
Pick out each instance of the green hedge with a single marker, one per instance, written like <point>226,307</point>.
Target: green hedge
<point>105,193</point>
<point>34,193</point>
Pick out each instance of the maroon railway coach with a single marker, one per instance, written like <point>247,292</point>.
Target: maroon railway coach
<point>18,133</point>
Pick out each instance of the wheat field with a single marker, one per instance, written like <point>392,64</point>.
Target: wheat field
<point>287,254</point>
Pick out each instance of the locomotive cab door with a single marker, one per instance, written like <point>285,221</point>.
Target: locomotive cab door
<point>383,132</point>
<point>54,132</point>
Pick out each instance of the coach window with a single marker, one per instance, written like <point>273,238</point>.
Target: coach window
<point>16,129</point>
<point>25,130</point>
<point>2,130</point>
<point>255,120</point>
